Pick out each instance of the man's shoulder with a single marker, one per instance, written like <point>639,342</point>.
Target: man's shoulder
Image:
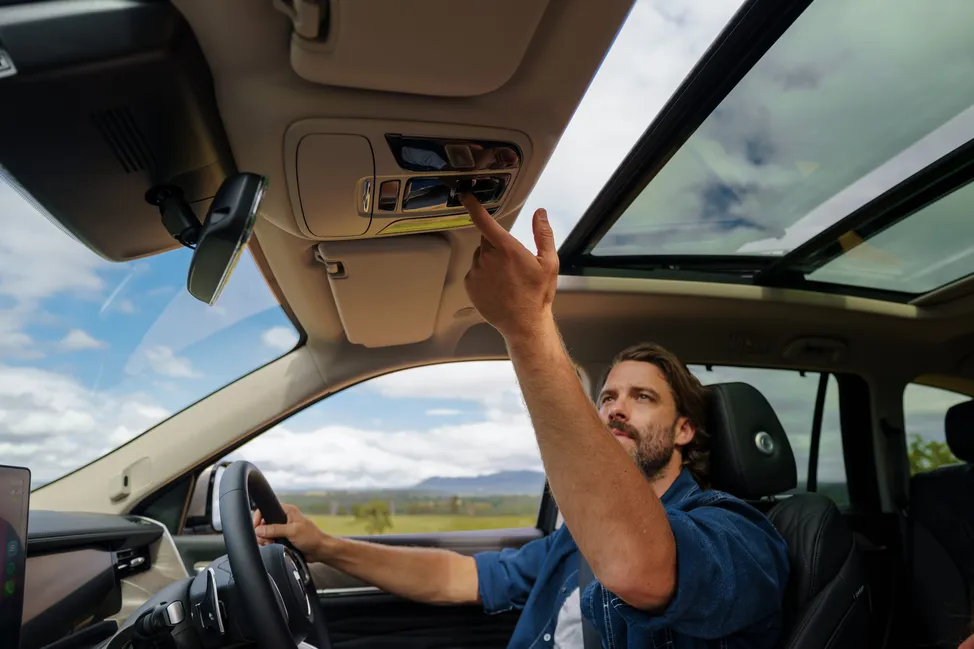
<point>715,504</point>
<point>694,497</point>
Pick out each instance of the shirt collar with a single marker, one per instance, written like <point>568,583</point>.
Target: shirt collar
<point>682,487</point>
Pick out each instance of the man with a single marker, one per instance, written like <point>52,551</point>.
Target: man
<point>674,563</point>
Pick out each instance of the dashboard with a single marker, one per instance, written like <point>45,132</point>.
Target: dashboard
<point>86,573</point>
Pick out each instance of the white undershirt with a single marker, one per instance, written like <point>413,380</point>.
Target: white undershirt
<point>568,628</point>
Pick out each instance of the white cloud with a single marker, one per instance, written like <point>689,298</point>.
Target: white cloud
<point>127,307</point>
<point>492,384</point>
<point>37,259</point>
<point>351,458</point>
<point>164,362</point>
<point>54,425</point>
<point>280,338</point>
<point>77,339</point>
<point>443,412</point>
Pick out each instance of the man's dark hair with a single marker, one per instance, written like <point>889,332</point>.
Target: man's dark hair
<point>691,399</point>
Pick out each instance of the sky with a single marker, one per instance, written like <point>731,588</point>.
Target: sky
<point>94,353</point>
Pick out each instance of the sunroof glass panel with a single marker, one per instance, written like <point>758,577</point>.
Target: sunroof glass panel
<point>857,96</point>
<point>930,248</point>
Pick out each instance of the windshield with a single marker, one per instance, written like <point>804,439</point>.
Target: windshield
<point>93,353</point>
<point>855,97</point>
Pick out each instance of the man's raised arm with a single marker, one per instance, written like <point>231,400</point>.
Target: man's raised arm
<point>613,512</point>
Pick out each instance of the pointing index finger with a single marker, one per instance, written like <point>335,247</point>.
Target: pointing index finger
<point>491,230</point>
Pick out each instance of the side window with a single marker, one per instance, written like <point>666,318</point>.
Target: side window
<point>924,410</point>
<point>793,394</point>
<point>430,449</point>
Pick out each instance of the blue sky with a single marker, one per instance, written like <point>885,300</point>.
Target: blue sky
<point>94,353</point>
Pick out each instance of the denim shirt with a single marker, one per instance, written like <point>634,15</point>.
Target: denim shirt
<point>732,568</point>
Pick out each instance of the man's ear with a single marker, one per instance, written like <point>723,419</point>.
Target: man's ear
<point>684,432</point>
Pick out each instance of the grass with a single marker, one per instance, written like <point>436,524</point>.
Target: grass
<point>422,524</point>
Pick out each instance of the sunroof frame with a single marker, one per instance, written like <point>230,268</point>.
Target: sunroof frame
<point>751,32</point>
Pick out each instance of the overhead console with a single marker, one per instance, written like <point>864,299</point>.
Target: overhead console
<point>354,179</point>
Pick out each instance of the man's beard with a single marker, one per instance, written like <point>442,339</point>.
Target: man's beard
<point>654,447</point>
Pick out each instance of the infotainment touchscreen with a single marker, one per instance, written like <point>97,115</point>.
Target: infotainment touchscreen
<point>14,495</point>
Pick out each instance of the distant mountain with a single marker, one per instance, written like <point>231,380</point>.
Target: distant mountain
<point>503,483</point>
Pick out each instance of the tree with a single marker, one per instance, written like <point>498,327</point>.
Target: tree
<point>376,516</point>
<point>926,455</point>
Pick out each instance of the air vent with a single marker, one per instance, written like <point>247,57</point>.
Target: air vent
<point>129,561</point>
<point>122,134</point>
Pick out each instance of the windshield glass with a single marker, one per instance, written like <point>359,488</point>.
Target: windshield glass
<point>93,353</point>
<point>855,97</point>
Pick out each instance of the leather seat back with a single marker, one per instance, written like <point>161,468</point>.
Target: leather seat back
<point>942,524</point>
<point>826,601</point>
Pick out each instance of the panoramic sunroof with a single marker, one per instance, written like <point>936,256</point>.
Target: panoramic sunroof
<point>932,247</point>
<point>855,97</point>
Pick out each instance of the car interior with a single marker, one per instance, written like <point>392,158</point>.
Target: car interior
<point>801,203</point>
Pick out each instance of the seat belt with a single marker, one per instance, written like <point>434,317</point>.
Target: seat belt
<point>590,635</point>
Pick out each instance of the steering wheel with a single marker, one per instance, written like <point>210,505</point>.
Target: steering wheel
<point>273,622</point>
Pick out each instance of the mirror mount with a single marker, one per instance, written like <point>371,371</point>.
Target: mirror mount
<point>218,243</point>
<point>177,216</point>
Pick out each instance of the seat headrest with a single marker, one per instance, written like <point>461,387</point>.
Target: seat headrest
<point>959,427</point>
<point>750,456</point>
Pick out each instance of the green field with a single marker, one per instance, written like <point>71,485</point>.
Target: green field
<point>422,524</point>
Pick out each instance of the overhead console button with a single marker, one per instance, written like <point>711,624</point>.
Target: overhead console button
<point>388,196</point>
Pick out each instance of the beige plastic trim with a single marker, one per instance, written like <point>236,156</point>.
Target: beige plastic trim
<point>427,49</point>
<point>336,182</point>
<point>955,291</point>
<point>167,568</point>
<point>956,384</point>
<point>700,290</point>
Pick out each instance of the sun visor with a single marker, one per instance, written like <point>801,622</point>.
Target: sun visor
<point>426,49</point>
<point>387,291</point>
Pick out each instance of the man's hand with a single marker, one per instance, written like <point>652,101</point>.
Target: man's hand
<point>299,530</point>
<point>512,288</point>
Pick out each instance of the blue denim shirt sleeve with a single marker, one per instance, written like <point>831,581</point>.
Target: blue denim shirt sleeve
<point>505,578</point>
<point>732,569</point>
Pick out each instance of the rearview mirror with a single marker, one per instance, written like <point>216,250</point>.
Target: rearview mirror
<point>221,239</point>
<point>224,235</point>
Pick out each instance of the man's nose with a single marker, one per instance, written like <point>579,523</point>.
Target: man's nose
<point>618,410</point>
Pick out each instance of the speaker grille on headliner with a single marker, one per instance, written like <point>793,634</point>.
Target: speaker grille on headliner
<point>122,134</point>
